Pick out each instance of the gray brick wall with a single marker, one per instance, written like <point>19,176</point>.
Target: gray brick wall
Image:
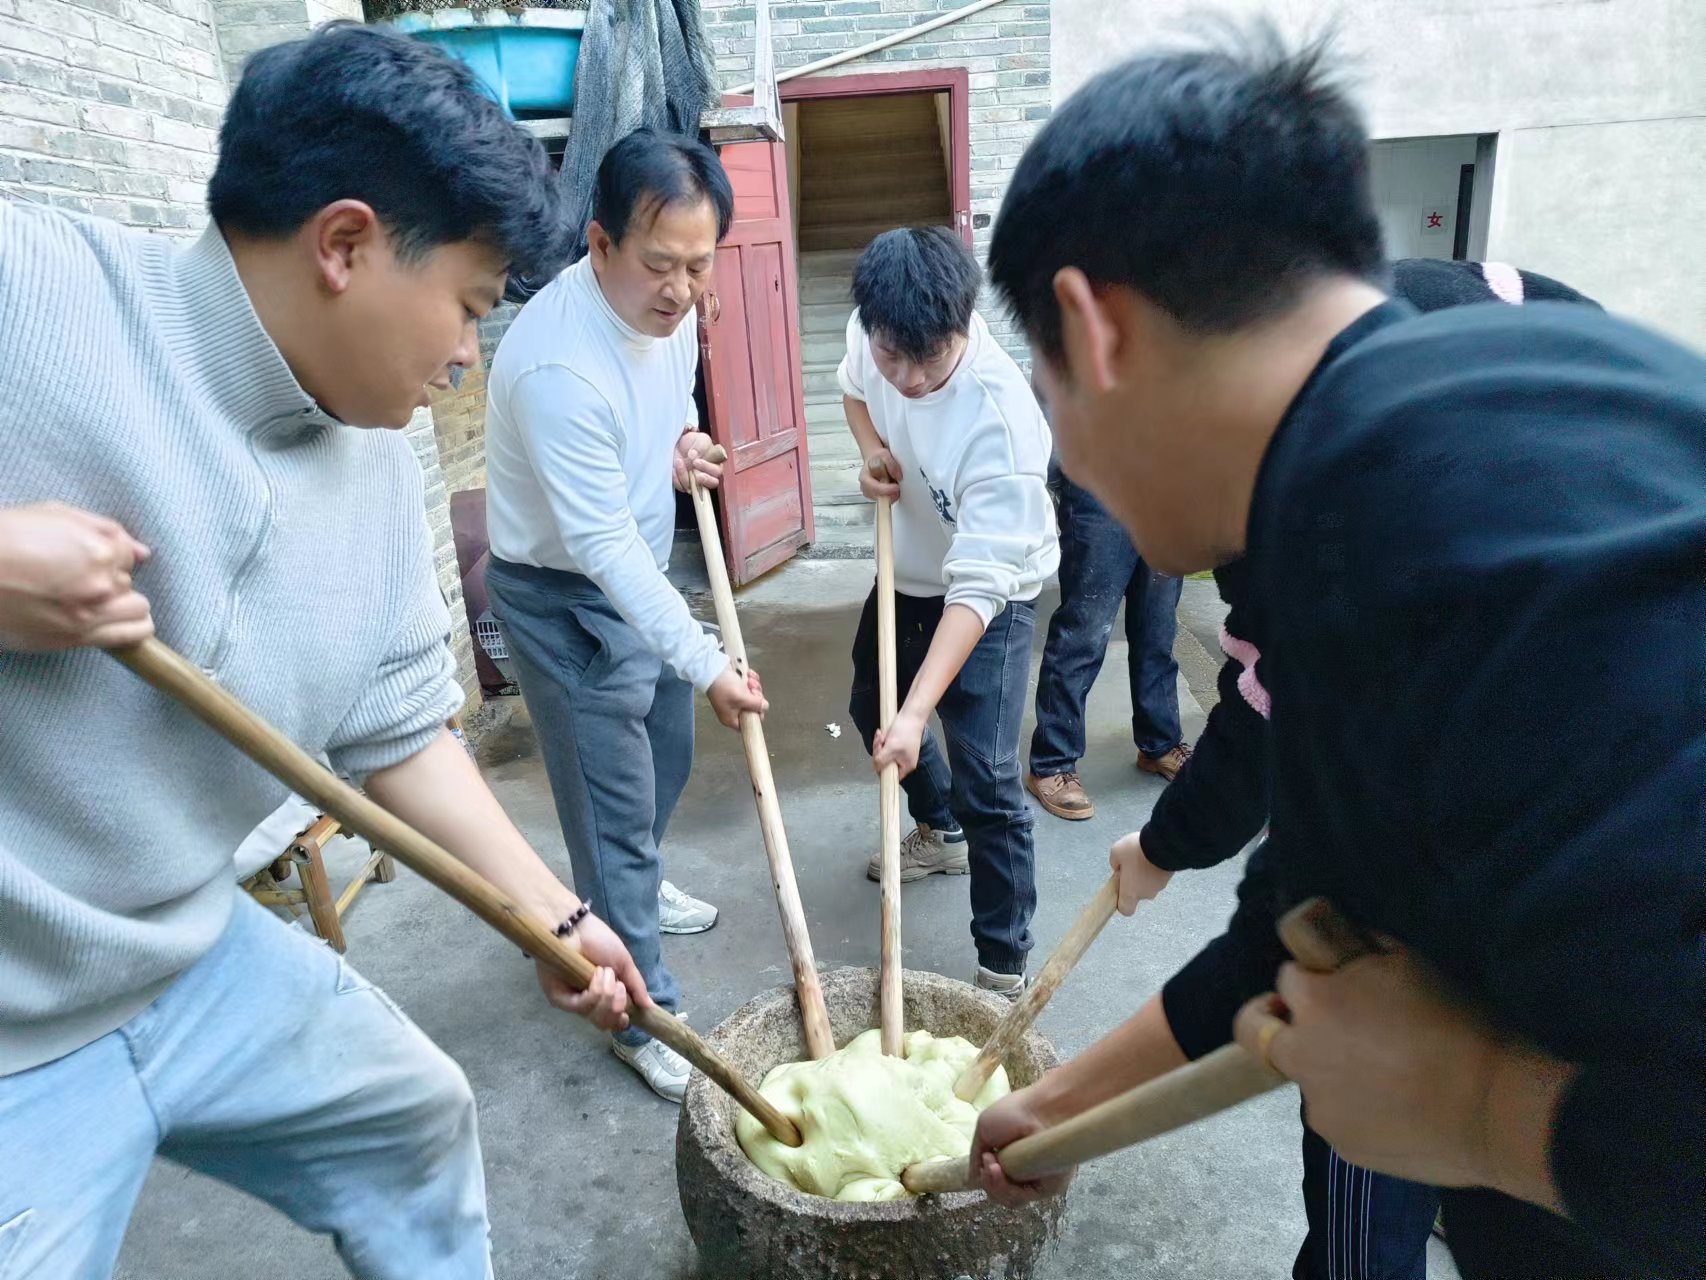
<point>1004,49</point>
<point>110,107</point>
<point>248,25</point>
<point>494,326</point>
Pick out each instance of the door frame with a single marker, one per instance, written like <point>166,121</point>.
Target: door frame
<point>746,563</point>
<point>956,81</point>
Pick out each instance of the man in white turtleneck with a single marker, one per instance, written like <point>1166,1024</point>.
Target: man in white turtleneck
<point>590,430</point>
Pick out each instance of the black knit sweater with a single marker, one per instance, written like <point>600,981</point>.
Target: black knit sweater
<point>1477,579</point>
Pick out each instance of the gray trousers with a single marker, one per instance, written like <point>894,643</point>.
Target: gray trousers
<point>616,729</point>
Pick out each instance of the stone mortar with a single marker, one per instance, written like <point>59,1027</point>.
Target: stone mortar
<point>748,1225</point>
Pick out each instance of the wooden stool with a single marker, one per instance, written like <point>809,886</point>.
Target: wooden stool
<point>305,854</point>
<point>268,885</point>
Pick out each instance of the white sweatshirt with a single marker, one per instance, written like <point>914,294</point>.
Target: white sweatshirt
<point>973,521</point>
<point>582,416</point>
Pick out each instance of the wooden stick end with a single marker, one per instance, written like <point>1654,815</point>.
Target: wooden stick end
<point>939,1176</point>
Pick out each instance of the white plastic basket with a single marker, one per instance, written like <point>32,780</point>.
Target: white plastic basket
<point>491,638</point>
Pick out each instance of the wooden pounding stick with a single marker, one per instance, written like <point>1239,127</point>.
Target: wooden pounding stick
<point>890,1001</point>
<point>1024,1012</point>
<point>1317,937</point>
<point>1213,1083</point>
<point>170,673</point>
<point>814,1014</point>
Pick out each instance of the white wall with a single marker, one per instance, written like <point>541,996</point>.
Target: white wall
<point>1415,184</point>
<point>1617,211</point>
<point>1599,107</point>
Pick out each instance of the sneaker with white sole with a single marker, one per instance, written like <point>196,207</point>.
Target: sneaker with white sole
<point>680,913</point>
<point>1010,986</point>
<point>925,851</point>
<point>663,1069</point>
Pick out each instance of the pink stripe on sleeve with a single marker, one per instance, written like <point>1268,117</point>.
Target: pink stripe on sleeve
<point>1505,282</point>
<point>1247,655</point>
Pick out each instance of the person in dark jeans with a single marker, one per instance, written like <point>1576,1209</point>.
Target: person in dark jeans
<point>1099,568</point>
<point>975,788</point>
<point>952,435</point>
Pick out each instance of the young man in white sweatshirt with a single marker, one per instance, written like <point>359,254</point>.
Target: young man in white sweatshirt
<point>952,434</point>
<point>590,429</point>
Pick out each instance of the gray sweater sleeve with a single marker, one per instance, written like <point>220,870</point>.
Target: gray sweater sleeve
<point>411,694</point>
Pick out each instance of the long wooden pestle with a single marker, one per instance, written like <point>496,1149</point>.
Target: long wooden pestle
<point>814,1015</point>
<point>890,1002</point>
<point>1025,1009</point>
<point>1317,937</point>
<point>170,673</point>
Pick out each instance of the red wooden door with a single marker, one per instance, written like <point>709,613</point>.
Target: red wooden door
<point>749,333</point>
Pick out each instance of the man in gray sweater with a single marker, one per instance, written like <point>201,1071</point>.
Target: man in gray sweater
<point>197,462</point>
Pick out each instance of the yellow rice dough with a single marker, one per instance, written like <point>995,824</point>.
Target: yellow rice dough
<point>865,1117</point>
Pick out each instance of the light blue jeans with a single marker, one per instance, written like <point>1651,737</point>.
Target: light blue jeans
<point>272,1065</point>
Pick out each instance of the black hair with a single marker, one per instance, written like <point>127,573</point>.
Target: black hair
<point>652,170</point>
<point>916,287</point>
<point>1215,183</point>
<point>1433,284</point>
<point>356,113</point>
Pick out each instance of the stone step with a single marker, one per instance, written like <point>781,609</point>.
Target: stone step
<point>877,183</point>
<point>928,202</point>
<point>833,289</point>
<point>833,449</point>
<point>822,351</point>
<point>872,151</point>
<point>825,317</point>
<point>837,542</point>
<point>828,417</point>
<point>835,482</point>
<point>854,235</point>
<point>844,514</point>
<point>821,262</point>
<point>912,115</point>
<point>835,479</point>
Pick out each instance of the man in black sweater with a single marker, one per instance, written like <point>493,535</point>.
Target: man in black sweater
<point>1476,545</point>
<point>1363,1225</point>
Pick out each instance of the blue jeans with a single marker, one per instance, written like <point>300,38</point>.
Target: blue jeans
<point>313,1093</point>
<point>616,729</point>
<point>1362,1225</point>
<point>1099,567</point>
<point>978,787</point>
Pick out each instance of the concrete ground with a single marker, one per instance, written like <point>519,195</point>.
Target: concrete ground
<point>579,1155</point>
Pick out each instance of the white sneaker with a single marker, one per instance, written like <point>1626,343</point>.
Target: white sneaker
<point>679,913</point>
<point>661,1067</point>
<point>925,852</point>
<point>1007,985</point>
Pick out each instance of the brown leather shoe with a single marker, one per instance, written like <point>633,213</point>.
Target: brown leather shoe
<point>1062,795</point>
<point>1166,766</point>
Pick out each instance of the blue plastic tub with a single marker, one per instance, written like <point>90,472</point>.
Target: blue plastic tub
<point>525,59</point>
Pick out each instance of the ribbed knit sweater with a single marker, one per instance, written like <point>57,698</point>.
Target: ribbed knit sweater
<point>290,561</point>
